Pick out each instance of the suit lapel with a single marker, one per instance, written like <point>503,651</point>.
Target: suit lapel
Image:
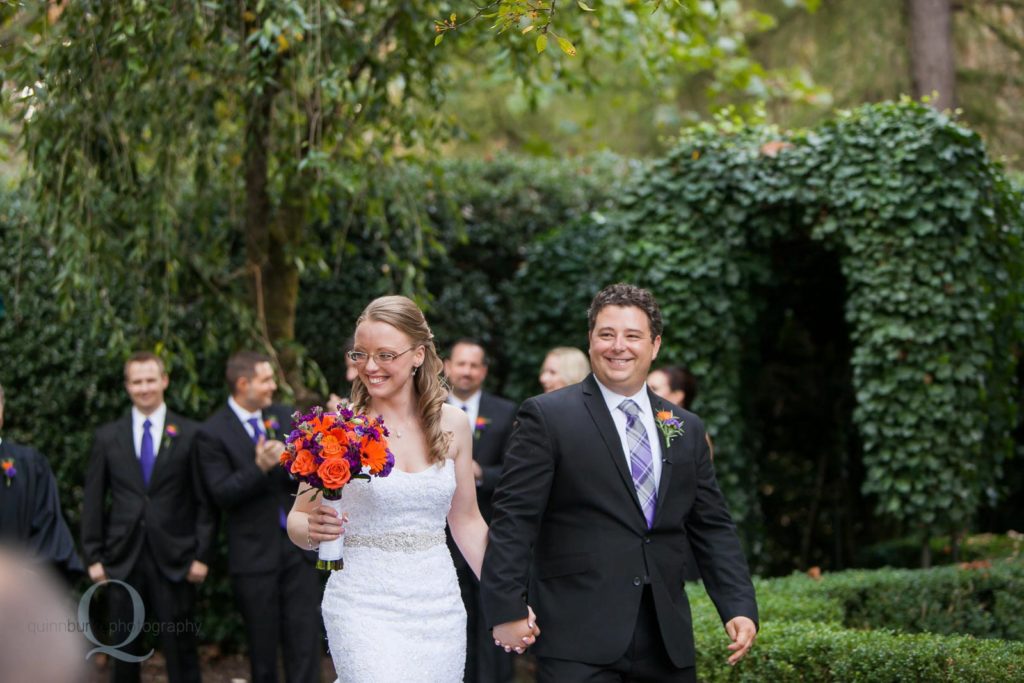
<point>668,455</point>
<point>165,449</point>
<point>126,451</point>
<point>598,409</point>
<point>241,442</point>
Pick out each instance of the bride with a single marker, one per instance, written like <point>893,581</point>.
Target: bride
<point>395,611</point>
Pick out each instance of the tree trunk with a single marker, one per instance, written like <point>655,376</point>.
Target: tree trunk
<point>932,61</point>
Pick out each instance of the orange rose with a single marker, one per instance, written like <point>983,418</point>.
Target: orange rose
<point>304,463</point>
<point>331,446</point>
<point>285,459</point>
<point>334,473</point>
<point>374,455</point>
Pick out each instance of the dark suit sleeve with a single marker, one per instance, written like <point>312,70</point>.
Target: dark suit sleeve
<point>227,486</point>
<point>519,504</point>
<point>50,536</point>
<point>716,546</point>
<point>206,513</point>
<point>96,484</point>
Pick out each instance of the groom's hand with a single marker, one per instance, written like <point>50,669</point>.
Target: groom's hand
<point>516,636</point>
<point>742,631</point>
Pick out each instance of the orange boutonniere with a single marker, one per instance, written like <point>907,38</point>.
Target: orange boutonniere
<point>7,464</point>
<point>669,425</point>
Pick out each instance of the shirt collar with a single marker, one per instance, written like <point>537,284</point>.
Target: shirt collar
<point>243,414</point>
<point>158,416</point>
<point>613,400</point>
<point>473,402</point>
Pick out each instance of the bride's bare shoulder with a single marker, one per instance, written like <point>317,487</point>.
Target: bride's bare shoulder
<point>453,419</point>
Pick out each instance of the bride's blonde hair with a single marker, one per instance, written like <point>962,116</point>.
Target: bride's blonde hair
<point>431,391</point>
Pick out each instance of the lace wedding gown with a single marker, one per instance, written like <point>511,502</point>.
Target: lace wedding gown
<point>395,613</point>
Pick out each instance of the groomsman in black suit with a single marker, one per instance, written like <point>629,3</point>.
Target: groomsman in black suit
<point>603,483</point>
<point>157,530</point>
<point>276,584</point>
<point>491,419</point>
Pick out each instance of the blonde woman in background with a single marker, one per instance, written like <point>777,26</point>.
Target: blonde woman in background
<point>563,366</point>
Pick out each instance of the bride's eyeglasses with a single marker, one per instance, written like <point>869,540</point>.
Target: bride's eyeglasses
<point>381,357</point>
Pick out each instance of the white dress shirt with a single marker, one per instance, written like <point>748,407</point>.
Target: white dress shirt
<point>646,419</point>
<point>244,416</point>
<point>471,406</point>
<point>156,428</point>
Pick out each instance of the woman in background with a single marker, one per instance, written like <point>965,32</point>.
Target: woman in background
<point>564,365</point>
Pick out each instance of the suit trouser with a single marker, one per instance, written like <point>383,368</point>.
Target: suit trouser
<point>645,661</point>
<point>485,661</point>
<point>282,606</point>
<point>169,610</point>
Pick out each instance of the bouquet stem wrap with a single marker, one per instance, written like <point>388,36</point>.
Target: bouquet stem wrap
<point>331,552</point>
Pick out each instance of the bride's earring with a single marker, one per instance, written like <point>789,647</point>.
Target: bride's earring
<point>414,369</point>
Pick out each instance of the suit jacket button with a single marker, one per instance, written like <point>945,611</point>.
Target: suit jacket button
<point>647,539</point>
<point>637,581</point>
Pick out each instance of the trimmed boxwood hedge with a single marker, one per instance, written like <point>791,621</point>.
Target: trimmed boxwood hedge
<point>983,601</point>
<point>812,651</point>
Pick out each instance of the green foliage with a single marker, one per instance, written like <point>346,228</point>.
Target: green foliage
<point>875,626</point>
<point>927,233</point>
<point>983,601</point>
<point>485,214</point>
<point>813,651</point>
<point>906,552</point>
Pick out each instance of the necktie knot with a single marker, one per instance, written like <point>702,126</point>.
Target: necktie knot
<point>147,424</point>
<point>630,408</point>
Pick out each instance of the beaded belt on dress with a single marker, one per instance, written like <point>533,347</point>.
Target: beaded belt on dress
<point>403,542</point>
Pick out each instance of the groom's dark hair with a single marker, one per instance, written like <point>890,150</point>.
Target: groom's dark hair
<point>622,294</point>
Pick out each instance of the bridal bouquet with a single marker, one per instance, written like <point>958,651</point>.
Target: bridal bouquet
<point>327,451</point>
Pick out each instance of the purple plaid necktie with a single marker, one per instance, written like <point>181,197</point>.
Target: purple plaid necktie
<point>147,457</point>
<point>254,422</point>
<point>641,463</point>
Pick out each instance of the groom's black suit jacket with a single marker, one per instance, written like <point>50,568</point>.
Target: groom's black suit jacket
<point>250,498</point>
<point>566,490</point>
<point>172,516</point>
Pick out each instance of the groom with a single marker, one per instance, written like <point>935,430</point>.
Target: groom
<point>604,495</point>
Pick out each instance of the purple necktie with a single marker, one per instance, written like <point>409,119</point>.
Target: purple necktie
<point>254,422</point>
<point>146,455</point>
<point>641,464</point>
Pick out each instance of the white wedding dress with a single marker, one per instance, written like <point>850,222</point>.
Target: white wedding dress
<point>395,613</point>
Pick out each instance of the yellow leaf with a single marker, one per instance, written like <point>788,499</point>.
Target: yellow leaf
<point>567,47</point>
<point>438,39</point>
<point>542,42</point>
<point>584,6</point>
<point>529,28</point>
<point>248,16</point>
<point>452,20</point>
<point>282,43</point>
<point>695,155</point>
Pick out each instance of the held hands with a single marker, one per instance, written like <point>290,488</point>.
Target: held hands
<point>197,572</point>
<point>97,573</point>
<point>516,636</point>
<point>268,453</point>
<point>742,632</point>
<point>324,525</point>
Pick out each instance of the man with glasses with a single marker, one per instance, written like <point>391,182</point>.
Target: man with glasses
<point>490,417</point>
<point>276,584</point>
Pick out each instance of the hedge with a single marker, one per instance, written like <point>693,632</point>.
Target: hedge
<point>810,651</point>
<point>985,602</point>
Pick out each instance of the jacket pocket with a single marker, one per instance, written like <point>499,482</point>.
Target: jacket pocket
<point>563,565</point>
